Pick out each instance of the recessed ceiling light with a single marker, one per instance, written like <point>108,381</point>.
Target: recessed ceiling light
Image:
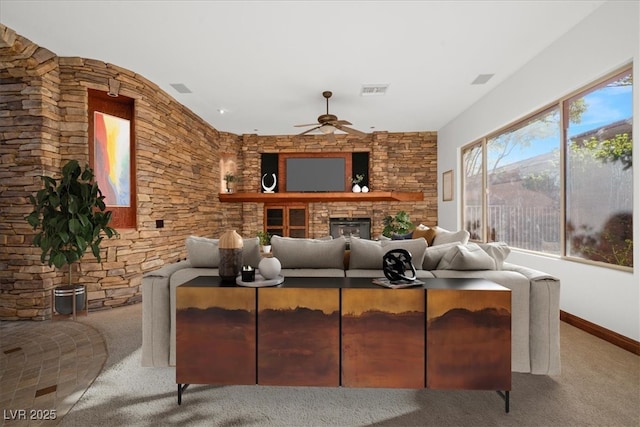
<point>180,87</point>
<point>482,79</point>
<point>221,111</point>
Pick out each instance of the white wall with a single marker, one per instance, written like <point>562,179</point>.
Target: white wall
<point>606,40</point>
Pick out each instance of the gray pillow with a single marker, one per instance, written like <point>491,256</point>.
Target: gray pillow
<point>367,254</point>
<point>466,257</point>
<point>202,252</point>
<point>434,254</point>
<point>251,252</point>
<point>309,253</point>
<point>499,251</point>
<point>445,236</point>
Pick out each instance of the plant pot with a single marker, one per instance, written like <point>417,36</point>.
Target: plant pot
<point>266,249</point>
<point>356,188</point>
<point>63,298</point>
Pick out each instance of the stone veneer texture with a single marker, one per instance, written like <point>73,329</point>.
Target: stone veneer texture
<point>44,123</point>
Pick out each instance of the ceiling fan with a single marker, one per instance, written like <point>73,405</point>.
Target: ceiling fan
<point>328,123</point>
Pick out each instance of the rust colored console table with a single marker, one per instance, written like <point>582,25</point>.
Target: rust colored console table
<point>446,334</point>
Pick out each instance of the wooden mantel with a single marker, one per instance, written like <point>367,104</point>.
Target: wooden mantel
<point>372,196</point>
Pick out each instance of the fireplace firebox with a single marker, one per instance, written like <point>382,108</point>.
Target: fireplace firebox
<point>347,227</point>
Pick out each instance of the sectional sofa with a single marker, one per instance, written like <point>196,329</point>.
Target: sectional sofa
<point>437,254</point>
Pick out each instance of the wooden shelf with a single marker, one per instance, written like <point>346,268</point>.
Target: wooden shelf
<point>372,196</point>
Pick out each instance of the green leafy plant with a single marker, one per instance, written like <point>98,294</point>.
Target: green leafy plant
<point>398,224</point>
<point>229,178</point>
<point>358,179</point>
<point>70,216</point>
<point>264,238</point>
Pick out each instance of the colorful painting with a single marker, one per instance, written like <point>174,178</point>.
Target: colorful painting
<point>112,136</point>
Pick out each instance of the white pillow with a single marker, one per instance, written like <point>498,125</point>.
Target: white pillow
<point>499,251</point>
<point>445,236</point>
<point>202,252</point>
<point>434,254</point>
<point>466,257</point>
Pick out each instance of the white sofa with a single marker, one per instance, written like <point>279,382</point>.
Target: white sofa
<point>535,295</point>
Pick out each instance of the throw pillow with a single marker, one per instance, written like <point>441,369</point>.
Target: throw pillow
<point>428,234</point>
<point>295,252</point>
<point>202,252</point>
<point>434,254</point>
<point>499,251</point>
<point>367,254</point>
<point>445,236</point>
<point>466,257</point>
<point>251,252</point>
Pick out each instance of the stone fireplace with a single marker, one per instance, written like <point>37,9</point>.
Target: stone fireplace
<point>347,227</point>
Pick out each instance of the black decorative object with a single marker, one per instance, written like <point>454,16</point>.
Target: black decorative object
<point>395,264</point>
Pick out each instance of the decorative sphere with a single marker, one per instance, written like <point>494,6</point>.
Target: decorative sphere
<point>269,267</point>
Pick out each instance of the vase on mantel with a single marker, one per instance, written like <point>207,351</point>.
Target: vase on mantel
<point>356,188</point>
<point>230,250</point>
<point>365,189</point>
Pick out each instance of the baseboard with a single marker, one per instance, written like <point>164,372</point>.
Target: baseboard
<point>613,337</point>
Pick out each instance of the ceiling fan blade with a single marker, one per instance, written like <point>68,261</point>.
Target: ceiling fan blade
<point>309,124</point>
<point>309,130</point>
<point>350,130</point>
<point>342,122</point>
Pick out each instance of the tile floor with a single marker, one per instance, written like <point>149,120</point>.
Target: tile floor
<point>45,367</point>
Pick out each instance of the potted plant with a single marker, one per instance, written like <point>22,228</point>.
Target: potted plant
<point>265,241</point>
<point>229,177</point>
<point>70,217</point>
<point>356,183</point>
<point>398,224</point>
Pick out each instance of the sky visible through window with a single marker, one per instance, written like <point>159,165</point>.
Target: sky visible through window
<point>604,106</point>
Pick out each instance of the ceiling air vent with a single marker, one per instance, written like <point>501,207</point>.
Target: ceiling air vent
<point>373,90</point>
<point>180,88</point>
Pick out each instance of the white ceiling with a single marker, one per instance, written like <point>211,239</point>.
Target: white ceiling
<point>267,62</point>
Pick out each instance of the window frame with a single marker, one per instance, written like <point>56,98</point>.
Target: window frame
<point>560,104</point>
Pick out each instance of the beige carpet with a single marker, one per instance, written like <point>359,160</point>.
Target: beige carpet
<point>599,386</point>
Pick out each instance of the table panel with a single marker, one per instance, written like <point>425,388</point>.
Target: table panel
<point>299,337</point>
<point>469,339</point>
<point>383,337</point>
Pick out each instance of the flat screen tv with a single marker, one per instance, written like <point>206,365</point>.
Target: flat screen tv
<point>315,174</point>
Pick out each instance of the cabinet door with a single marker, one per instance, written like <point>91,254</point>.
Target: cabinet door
<point>287,220</point>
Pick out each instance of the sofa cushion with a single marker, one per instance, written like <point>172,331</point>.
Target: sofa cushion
<point>445,236</point>
<point>368,254</point>
<point>203,252</point>
<point>499,251</point>
<point>434,254</point>
<point>466,257</point>
<point>309,253</point>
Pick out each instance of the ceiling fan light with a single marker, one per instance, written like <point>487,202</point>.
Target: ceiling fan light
<point>327,129</point>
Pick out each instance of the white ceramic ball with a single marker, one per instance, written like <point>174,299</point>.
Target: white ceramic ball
<point>269,267</point>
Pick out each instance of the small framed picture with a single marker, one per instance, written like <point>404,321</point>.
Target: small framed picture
<point>447,186</point>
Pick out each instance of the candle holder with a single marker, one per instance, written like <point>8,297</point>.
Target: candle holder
<point>248,274</point>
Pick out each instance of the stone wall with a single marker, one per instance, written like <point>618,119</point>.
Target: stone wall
<point>397,162</point>
<point>44,123</point>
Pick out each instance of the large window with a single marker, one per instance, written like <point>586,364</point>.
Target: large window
<point>599,189</point>
<point>513,180</point>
